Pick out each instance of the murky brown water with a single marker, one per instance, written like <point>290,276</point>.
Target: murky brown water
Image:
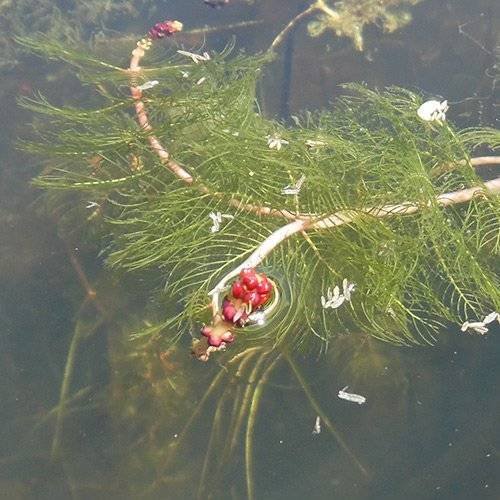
<point>429,426</point>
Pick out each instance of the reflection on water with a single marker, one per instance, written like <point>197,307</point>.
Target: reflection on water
<point>137,421</point>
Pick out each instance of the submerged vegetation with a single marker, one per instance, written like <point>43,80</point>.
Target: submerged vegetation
<point>349,18</point>
<point>371,220</point>
<point>354,194</point>
<point>62,20</point>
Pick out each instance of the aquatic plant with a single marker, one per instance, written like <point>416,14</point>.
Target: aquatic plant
<point>369,195</point>
<point>348,18</point>
<point>62,21</point>
<point>371,217</point>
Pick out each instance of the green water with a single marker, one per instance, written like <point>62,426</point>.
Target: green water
<point>429,426</point>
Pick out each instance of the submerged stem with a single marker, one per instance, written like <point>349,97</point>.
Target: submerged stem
<point>225,453</point>
<point>236,412</point>
<point>79,334</point>
<point>247,398</point>
<point>280,37</point>
<point>345,217</point>
<point>214,433</point>
<point>175,445</point>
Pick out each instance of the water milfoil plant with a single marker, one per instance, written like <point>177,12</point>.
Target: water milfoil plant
<point>373,215</point>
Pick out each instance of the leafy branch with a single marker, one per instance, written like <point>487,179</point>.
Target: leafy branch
<point>311,206</point>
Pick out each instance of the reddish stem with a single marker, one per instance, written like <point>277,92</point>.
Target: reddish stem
<point>143,120</point>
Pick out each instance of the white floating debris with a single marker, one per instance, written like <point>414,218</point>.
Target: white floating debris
<point>348,288</point>
<point>217,220</point>
<point>333,299</point>
<point>294,189</point>
<point>491,317</point>
<point>257,317</point>
<point>480,326</point>
<point>275,142</point>
<point>433,111</point>
<point>349,396</point>
<point>201,80</point>
<point>315,144</point>
<point>148,85</point>
<point>196,58</point>
<point>92,204</point>
<point>317,426</point>
<point>336,299</point>
<point>477,326</point>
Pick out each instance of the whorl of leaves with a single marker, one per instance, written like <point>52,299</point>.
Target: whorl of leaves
<point>413,274</point>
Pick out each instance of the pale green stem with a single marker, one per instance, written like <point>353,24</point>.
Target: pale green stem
<point>175,445</point>
<point>318,5</point>
<point>280,37</point>
<point>79,334</point>
<point>211,446</point>
<point>216,29</point>
<point>247,398</point>
<point>235,414</point>
<point>53,412</point>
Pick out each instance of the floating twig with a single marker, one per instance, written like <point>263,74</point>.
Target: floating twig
<point>350,396</point>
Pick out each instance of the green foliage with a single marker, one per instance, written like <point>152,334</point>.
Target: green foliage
<point>348,18</point>
<point>413,274</point>
<point>61,20</point>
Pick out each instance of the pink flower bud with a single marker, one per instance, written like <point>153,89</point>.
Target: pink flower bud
<point>252,298</point>
<point>166,28</point>
<point>237,290</point>
<point>214,341</point>
<point>228,337</point>
<point>250,281</point>
<point>228,311</point>
<point>206,331</point>
<point>264,287</point>
<point>247,272</point>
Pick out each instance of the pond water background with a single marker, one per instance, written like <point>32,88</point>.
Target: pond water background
<point>430,426</point>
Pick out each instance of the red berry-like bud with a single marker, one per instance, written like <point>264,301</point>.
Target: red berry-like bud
<point>247,272</point>
<point>166,28</point>
<point>228,311</point>
<point>250,281</point>
<point>251,298</point>
<point>214,341</point>
<point>264,286</point>
<point>206,331</point>
<point>237,290</point>
<point>228,337</point>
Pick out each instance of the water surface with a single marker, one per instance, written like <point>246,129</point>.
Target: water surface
<point>429,427</point>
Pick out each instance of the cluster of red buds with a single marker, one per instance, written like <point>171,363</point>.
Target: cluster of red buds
<point>165,28</point>
<point>249,293</point>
